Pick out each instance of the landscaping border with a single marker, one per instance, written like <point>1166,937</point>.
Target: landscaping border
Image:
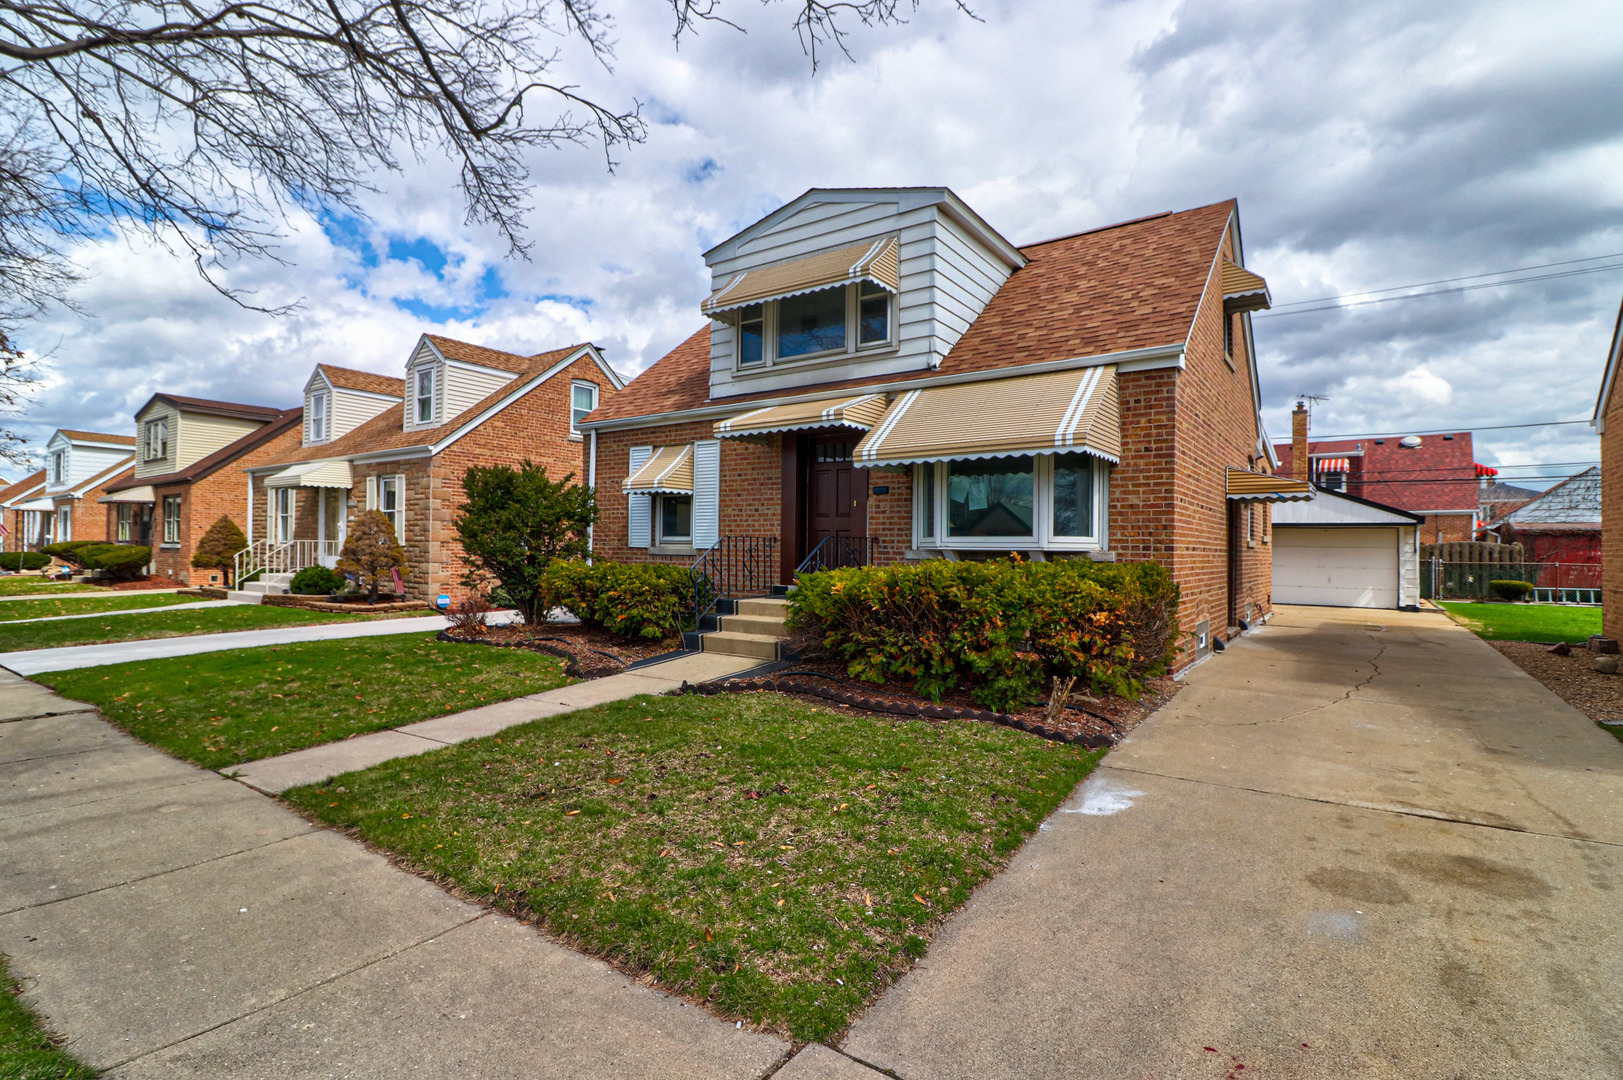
<point>540,645</point>
<point>786,685</point>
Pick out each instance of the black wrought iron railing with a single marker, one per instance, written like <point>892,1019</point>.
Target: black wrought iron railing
<point>839,552</point>
<point>737,566</point>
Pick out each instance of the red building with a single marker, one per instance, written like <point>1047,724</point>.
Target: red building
<point>1561,526</point>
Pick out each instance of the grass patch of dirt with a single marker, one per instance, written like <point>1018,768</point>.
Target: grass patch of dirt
<point>226,708</point>
<point>779,862</point>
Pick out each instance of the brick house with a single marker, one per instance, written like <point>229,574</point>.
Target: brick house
<point>27,526</point>
<point>884,377</point>
<point>79,467</point>
<point>187,475</point>
<point>1608,424</point>
<point>402,446</point>
<point>1434,476</point>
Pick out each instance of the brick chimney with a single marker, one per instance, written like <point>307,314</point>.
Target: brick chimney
<point>1299,461</point>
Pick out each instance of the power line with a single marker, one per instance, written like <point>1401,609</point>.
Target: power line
<point>1450,281</point>
<point>1465,430</point>
<point>1435,292</point>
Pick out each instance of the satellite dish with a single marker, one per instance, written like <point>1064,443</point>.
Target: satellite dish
<point>1409,441</point>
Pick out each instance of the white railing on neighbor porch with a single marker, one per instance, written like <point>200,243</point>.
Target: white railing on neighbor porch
<point>282,556</point>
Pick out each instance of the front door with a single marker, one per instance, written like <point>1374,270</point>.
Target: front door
<point>835,493</point>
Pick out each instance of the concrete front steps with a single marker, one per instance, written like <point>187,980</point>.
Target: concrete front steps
<point>752,628</point>
<point>268,584</point>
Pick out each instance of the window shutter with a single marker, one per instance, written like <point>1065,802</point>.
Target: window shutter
<point>706,493</point>
<point>639,508</point>
<point>400,507</point>
<point>371,493</point>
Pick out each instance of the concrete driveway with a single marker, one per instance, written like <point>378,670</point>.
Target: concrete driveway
<point>1358,844</point>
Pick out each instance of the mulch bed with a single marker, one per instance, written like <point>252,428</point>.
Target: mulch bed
<point>1094,724</point>
<point>588,653</point>
<point>1571,678</point>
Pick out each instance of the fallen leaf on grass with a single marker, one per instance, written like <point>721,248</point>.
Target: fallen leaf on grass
<point>617,779</point>
<point>921,899</point>
<point>572,813</point>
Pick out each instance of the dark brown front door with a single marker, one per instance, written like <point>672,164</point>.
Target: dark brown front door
<point>836,494</point>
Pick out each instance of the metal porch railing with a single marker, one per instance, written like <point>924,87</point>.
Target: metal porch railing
<point>281,557</point>
<point>838,553</point>
<point>736,566</point>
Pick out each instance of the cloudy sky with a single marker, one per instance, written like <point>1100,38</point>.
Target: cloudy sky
<point>1371,145</point>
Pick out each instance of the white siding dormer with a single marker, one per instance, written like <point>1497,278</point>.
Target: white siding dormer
<point>439,389</point>
<point>950,264</point>
<point>70,460</point>
<point>338,410</point>
<point>317,410</point>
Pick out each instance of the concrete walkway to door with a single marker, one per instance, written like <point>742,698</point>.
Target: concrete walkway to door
<point>1358,844</point>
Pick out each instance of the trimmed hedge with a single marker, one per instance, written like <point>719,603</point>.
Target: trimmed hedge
<point>634,600</point>
<point>317,581</point>
<point>1510,590</point>
<point>71,551</point>
<point>24,560</point>
<point>1000,629</point>
<point>121,560</point>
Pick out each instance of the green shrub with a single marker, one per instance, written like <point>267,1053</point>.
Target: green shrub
<point>69,551</point>
<point>1510,590</point>
<point>1000,629</point>
<point>217,550</point>
<point>317,581</point>
<point>122,560</point>
<point>634,600</point>
<point>24,560</point>
<point>514,524</point>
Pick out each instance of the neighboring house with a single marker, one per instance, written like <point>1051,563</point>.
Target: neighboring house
<point>463,405</point>
<point>1563,525</point>
<point>885,378</point>
<point>1495,500</point>
<point>1342,551</point>
<point>1608,424</point>
<point>1434,476</point>
<point>79,465</point>
<point>29,519</point>
<point>188,473</point>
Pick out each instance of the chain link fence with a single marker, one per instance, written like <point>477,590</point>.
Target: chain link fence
<point>1553,583</point>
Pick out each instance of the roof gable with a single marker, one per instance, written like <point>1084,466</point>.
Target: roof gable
<point>1575,500</point>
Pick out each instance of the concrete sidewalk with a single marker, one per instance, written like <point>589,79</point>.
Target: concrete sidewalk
<point>92,592</point>
<point>1357,844</point>
<point>198,606</point>
<point>275,775</point>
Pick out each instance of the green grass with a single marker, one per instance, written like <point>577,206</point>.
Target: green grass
<point>1527,622</point>
<point>225,708</point>
<point>82,605</point>
<point>783,863</point>
<point>28,586</point>
<point>26,1052</point>
<point>162,624</point>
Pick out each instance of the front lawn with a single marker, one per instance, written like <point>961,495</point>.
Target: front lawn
<point>28,586</point>
<point>1527,622</point>
<point>162,624</point>
<point>26,1052</point>
<point>782,862</point>
<point>225,708</point>
<point>83,605</point>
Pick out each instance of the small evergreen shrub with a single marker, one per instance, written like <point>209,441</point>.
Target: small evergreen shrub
<point>371,552</point>
<point>317,581</point>
<point>1001,629</point>
<point>90,554</point>
<point>24,560</point>
<point>514,524</point>
<point>634,600</point>
<point>1511,590</point>
<point>218,547</point>
<point>68,551</point>
<point>123,560</point>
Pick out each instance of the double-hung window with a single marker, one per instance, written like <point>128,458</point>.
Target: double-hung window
<point>318,418</point>
<point>64,524</point>
<point>391,504</point>
<point>1043,501</point>
<point>59,466</point>
<point>582,400</point>
<point>171,519</point>
<point>285,508</point>
<point>157,439</point>
<point>424,403</point>
<point>124,518</point>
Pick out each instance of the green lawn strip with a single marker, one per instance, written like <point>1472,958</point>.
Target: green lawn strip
<point>1527,622</point>
<point>162,624</point>
<point>28,586</point>
<point>784,863</point>
<point>225,708</point>
<point>27,1052</point>
<point>84,605</point>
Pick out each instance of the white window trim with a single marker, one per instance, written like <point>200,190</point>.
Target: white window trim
<point>157,427</point>
<point>285,514</point>
<point>417,396</point>
<point>597,397</point>
<point>397,516</point>
<point>64,523</point>
<point>164,509</point>
<point>59,466</point>
<point>769,336</point>
<point>658,524</point>
<point>318,415</point>
<point>1042,538</point>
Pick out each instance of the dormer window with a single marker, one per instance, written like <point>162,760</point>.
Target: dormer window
<point>59,466</point>
<point>811,323</point>
<point>752,335</point>
<point>156,436</point>
<point>424,411</point>
<point>318,417</point>
<point>873,314</point>
<point>825,323</point>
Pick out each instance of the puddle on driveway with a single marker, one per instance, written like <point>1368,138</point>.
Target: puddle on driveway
<point>1101,797</point>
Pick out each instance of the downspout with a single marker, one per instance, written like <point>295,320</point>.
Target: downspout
<point>250,509</point>
<point>591,482</point>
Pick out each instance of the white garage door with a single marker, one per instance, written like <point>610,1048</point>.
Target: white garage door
<point>1338,567</point>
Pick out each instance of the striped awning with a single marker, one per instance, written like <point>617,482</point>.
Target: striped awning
<point>1243,290</point>
<point>1331,464</point>
<point>669,470</point>
<point>317,474</point>
<point>142,494</point>
<point>1247,486</point>
<point>875,261</point>
<point>861,412</point>
<point>1054,413</point>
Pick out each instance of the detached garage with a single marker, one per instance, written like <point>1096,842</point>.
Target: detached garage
<point>1339,551</point>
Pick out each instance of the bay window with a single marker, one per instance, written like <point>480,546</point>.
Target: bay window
<point>1043,501</point>
<point>825,323</point>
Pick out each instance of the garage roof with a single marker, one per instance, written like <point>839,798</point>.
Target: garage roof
<point>1334,508</point>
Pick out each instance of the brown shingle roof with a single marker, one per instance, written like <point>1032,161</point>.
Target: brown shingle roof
<point>225,455</point>
<point>478,354</point>
<point>345,378</point>
<point>1127,286</point>
<point>99,436</point>
<point>383,431</point>
<point>221,408</point>
<point>23,486</point>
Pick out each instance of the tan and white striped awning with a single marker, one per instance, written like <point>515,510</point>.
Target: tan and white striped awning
<point>317,474</point>
<point>1054,413</point>
<point>1247,486</point>
<point>861,412</point>
<point>875,261</point>
<point>142,494</point>
<point>668,471</point>
<point>1243,290</point>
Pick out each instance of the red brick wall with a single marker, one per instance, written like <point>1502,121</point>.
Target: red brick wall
<point>1445,528</point>
<point>890,516</point>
